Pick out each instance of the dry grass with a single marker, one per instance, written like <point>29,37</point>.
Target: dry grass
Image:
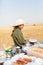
<point>29,31</point>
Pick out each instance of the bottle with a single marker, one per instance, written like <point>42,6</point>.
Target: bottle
<point>8,53</point>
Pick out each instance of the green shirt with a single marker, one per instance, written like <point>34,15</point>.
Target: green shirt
<point>18,37</point>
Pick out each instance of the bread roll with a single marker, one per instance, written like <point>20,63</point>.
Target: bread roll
<point>27,60</point>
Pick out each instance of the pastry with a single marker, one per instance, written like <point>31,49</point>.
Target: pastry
<point>22,61</point>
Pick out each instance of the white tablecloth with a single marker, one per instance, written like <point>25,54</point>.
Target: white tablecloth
<point>35,61</point>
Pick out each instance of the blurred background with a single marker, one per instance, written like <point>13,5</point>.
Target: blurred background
<point>31,11</point>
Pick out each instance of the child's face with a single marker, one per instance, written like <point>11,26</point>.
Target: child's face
<point>21,26</point>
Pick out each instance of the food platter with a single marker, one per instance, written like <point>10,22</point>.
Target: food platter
<point>35,61</point>
<point>37,52</point>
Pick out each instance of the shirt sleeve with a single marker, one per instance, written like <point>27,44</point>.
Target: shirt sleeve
<point>20,38</point>
<point>16,42</point>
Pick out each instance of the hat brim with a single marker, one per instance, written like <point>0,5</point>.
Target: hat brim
<point>17,25</point>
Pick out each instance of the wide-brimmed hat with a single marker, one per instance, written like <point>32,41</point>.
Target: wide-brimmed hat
<point>19,22</point>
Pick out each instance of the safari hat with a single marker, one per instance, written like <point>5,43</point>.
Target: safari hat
<point>19,22</point>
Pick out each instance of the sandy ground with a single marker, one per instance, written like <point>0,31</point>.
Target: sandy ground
<point>29,31</point>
